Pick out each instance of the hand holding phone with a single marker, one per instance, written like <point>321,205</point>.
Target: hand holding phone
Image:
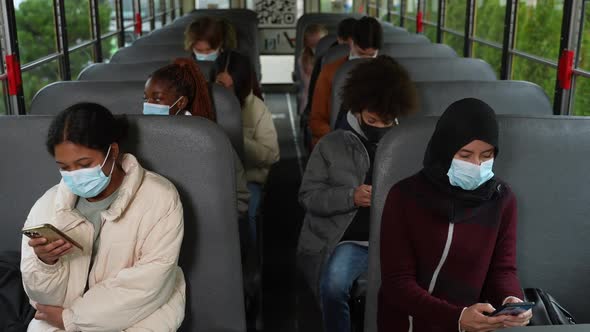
<point>49,243</point>
<point>512,309</point>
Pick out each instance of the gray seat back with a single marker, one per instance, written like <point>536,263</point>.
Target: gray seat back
<point>420,69</point>
<point>213,272</point>
<point>553,223</point>
<point>174,39</point>
<point>324,44</point>
<point>506,97</point>
<point>150,53</point>
<point>234,14</point>
<point>132,71</point>
<point>418,51</point>
<point>126,97</point>
<point>338,52</point>
<point>390,28</point>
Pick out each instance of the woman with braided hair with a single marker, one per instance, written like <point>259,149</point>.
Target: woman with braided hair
<point>182,86</point>
<point>181,89</point>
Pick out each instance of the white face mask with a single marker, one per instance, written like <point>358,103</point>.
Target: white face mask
<point>157,109</point>
<point>88,182</point>
<point>206,56</point>
<point>470,176</point>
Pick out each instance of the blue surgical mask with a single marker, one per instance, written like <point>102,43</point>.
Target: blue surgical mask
<point>206,57</point>
<point>88,182</point>
<point>157,109</point>
<point>470,176</point>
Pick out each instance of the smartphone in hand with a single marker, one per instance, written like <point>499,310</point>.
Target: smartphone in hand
<point>50,233</point>
<point>512,309</point>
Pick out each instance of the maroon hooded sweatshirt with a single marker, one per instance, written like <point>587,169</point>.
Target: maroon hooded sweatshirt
<point>444,248</point>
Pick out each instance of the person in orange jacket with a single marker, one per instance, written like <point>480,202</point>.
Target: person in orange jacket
<point>366,41</point>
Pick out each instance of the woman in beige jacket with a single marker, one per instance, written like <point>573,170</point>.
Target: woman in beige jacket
<point>234,71</point>
<point>129,223</point>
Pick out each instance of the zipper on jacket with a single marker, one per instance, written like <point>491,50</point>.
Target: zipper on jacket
<point>443,258</point>
<point>361,177</point>
<point>442,261</point>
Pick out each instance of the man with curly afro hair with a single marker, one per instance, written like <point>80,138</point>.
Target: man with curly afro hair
<point>336,187</point>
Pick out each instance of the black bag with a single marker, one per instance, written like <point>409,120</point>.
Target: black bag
<point>15,311</point>
<point>547,311</point>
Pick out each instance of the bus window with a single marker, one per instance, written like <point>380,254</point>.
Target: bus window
<point>454,25</point>
<point>538,30</point>
<point>489,32</point>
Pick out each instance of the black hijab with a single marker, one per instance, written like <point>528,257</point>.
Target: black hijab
<point>464,121</point>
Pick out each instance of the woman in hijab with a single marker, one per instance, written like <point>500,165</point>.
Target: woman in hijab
<point>448,236</point>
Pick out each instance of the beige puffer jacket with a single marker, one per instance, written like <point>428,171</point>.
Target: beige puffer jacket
<point>135,283</point>
<point>261,144</point>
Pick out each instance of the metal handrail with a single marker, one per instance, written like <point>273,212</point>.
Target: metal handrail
<point>533,58</point>
<point>581,72</point>
<point>39,62</point>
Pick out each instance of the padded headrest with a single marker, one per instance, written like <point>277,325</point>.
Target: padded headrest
<point>132,71</point>
<point>233,15</point>
<point>165,47</point>
<point>324,44</point>
<point>418,51</point>
<point>420,69</point>
<point>126,97</point>
<point>505,97</point>
<point>192,153</point>
<point>149,53</point>
<point>404,39</point>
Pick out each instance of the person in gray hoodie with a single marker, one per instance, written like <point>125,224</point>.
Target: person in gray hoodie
<point>336,187</point>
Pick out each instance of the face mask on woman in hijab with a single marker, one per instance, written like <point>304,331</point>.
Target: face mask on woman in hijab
<point>460,155</point>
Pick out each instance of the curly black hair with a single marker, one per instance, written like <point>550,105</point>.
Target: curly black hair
<point>380,85</point>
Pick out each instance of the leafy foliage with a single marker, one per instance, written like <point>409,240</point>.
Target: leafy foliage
<point>37,39</point>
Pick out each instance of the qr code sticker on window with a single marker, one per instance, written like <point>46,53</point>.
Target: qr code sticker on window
<point>276,12</point>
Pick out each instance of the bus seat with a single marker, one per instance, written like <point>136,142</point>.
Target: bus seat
<point>540,160</point>
<point>324,44</point>
<point>418,51</point>
<point>126,97</point>
<point>165,145</point>
<point>420,69</point>
<point>164,52</point>
<point>149,53</point>
<point>340,51</point>
<point>506,97</point>
<point>132,71</point>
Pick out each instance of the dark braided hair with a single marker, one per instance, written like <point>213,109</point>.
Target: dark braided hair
<point>185,77</point>
<point>87,124</point>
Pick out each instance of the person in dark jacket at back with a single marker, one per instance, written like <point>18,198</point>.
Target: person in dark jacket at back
<point>343,36</point>
<point>448,236</point>
<point>337,184</point>
<point>366,41</point>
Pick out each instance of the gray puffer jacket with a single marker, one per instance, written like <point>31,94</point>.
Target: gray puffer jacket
<point>337,166</point>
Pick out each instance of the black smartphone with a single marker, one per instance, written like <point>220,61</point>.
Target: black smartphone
<point>512,309</point>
